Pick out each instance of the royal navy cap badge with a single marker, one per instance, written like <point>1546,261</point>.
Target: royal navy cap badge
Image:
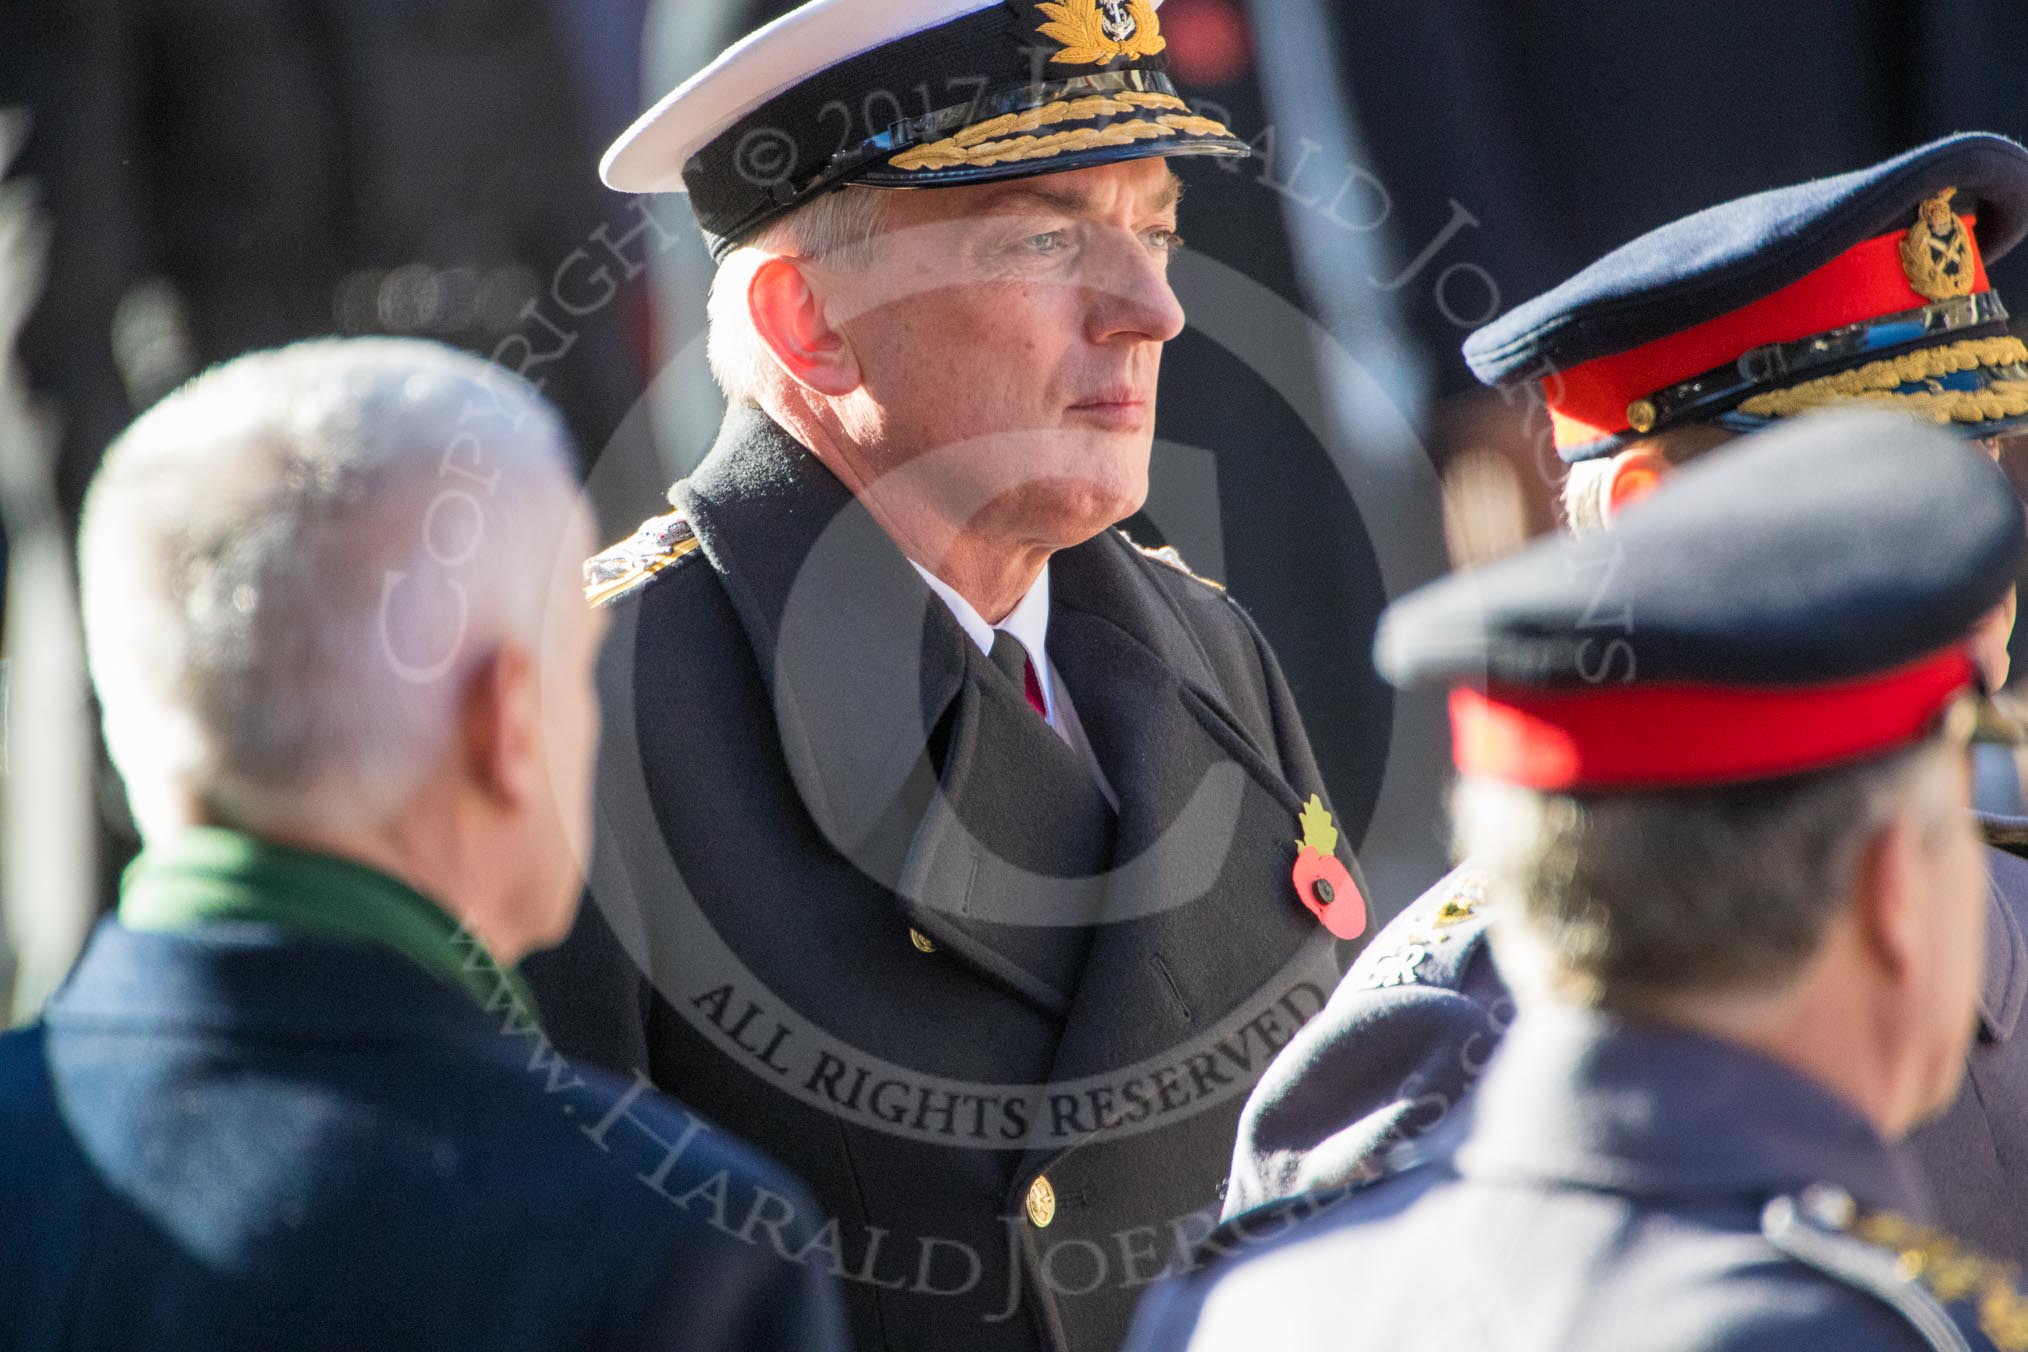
<point>1098,32</point>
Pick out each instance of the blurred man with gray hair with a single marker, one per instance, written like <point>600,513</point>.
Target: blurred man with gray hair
<point>295,1094</point>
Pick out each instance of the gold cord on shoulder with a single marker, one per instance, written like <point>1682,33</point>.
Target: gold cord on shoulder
<point>597,594</point>
<point>1169,557</point>
<point>1951,1272</point>
<point>660,542</point>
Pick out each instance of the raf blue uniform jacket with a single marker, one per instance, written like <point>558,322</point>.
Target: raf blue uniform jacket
<point>1413,1025</point>
<point>1618,1187</point>
<point>233,1139</point>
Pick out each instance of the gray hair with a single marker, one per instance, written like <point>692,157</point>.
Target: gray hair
<point>291,564</point>
<point>836,227</point>
<point>1609,897</point>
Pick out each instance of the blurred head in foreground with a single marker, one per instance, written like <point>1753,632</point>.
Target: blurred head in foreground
<point>330,600</point>
<point>1715,759</point>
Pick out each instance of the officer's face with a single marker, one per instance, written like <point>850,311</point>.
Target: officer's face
<point>1009,338</point>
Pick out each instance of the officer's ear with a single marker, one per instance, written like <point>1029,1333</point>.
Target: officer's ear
<point>1886,918</point>
<point>499,728</point>
<point>1632,475</point>
<point>788,315</point>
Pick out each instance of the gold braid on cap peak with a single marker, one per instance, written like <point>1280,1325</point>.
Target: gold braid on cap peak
<point>1000,140</point>
<point>1069,110</point>
<point>1878,383</point>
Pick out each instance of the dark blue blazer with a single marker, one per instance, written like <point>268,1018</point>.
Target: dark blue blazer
<point>234,1139</point>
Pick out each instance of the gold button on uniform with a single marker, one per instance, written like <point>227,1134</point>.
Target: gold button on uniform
<point>923,943</point>
<point>1041,1202</point>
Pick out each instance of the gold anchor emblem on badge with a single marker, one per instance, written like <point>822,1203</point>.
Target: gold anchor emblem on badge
<point>1094,32</point>
<point>1936,253</point>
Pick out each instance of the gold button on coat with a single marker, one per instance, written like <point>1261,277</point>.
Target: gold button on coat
<point>923,943</point>
<point>1041,1202</point>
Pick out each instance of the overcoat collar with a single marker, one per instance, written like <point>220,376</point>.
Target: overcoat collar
<point>915,755</point>
<point>2003,982</point>
<point>857,654</point>
<point>864,665</point>
<point>1589,1099</point>
<point>2004,978</point>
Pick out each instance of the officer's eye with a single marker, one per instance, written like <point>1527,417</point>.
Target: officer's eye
<point>1163,240</point>
<point>1049,242</point>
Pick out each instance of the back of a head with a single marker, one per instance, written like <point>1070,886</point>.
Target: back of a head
<point>290,565</point>
<point>1620,899</point>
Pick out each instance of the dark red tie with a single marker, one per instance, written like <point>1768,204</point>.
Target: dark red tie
<point>1012,658</point>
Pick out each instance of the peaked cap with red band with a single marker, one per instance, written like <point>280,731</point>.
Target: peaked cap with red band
<point>1869,287</point>
<point>1801,600</point>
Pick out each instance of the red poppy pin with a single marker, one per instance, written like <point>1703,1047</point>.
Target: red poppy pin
<point>1322,883</point>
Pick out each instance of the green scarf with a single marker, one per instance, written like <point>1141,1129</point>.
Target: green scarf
<point>206,874</point>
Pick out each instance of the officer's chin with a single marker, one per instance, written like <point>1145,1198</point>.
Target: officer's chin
<point>1065,510</point>
<point>1099,509</point>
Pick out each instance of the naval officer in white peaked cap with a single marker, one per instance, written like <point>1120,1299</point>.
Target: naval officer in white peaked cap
<point>966,857</point>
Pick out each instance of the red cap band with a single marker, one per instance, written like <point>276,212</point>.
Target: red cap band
<point>1589,401</point>
<point>1680,736</point>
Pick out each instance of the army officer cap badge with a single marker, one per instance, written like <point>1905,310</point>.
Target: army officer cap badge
<point>1869,287</point>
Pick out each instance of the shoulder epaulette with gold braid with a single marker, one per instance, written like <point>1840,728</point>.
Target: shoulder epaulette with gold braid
<point>1922,1272</point>
<point>1422,948</point>
<point>661,542</point>
<point>1953,1272</point>
<point>1167,556</point>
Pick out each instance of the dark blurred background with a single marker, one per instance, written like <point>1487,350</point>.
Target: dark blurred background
<point>225,174</point>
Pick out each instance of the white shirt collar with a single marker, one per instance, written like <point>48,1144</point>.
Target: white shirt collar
<point>1028,622</point>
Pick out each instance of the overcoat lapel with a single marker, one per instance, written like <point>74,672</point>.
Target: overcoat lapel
<point>856,657</point>
<point>918,759</point>
<point>1008,863</point>
<point>1201,916</point>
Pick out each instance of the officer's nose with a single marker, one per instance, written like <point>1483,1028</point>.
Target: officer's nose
<point>1129,293</point>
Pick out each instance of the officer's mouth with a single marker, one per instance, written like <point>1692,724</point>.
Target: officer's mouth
<point>1120,409</point>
